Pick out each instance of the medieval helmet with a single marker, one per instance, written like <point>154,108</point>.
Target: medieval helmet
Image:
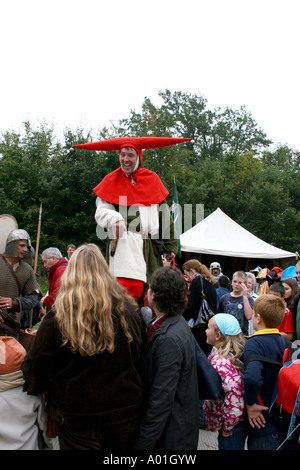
<point>11,242</point>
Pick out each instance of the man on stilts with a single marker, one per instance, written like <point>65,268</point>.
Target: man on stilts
<point>131,207</point>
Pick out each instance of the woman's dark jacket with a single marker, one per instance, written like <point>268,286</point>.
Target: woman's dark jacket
<point>171,420</point>
<point>103,388</point>
<point>193,306</point>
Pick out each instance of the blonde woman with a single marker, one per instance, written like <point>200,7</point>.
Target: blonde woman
<point>198,274</point>
<point>86,357</point>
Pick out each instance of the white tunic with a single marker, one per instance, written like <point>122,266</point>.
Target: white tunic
<point>19,415</point>
<point>128,260</point>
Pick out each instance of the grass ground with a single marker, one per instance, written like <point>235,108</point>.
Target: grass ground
<point>43,283</point>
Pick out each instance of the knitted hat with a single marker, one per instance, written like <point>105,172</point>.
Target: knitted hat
<point>227,324</point>
<point>12,355</point>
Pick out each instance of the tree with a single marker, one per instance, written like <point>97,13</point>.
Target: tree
<point>24,156</point>
<point>215,132</point>
<point>68,200</point>
<point>229,165</point>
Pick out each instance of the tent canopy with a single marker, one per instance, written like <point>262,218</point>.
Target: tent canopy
<point>218,234</point>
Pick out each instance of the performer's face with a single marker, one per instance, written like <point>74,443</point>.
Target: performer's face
<point>128,158</point>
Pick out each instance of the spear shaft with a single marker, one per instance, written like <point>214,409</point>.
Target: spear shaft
<point>36,254</point>
<point>38,239</point>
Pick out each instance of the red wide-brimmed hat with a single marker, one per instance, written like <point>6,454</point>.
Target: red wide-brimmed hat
<point>138,143</point>
<point>148,188</point>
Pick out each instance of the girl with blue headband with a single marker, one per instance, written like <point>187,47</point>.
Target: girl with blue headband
<point>225,414</point>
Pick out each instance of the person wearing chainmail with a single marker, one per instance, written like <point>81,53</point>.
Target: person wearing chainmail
<point>132,213</point>
<point>18,286</point>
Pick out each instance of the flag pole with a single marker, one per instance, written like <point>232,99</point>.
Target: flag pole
<point>177,215</point>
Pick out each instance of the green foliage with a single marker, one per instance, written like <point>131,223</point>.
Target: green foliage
<point>229,165</point>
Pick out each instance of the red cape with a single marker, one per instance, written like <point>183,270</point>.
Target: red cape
<point>148,189</point>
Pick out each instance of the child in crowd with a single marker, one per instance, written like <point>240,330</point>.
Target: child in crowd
<point>286,328</point>
<point>238,303</point>
<point>291,290</point>
<point>223,287</point>
<point>259,378</point>
<point>23,420</point>
<point>225,413</point>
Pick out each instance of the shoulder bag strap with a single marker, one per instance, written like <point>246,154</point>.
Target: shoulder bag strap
<point>266,360</point>
<point>202,289</point>
<point>263,359</point>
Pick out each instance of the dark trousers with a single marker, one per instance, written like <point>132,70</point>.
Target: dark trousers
<point>118,437</point>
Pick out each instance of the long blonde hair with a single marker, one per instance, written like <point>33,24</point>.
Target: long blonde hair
<point>232,347</point>
<point>199,268</point>
<point>87,303</point>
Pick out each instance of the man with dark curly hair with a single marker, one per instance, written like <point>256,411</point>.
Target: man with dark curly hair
<point>170,421</point>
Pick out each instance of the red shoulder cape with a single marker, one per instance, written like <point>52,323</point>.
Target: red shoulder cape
<point>148,189</point>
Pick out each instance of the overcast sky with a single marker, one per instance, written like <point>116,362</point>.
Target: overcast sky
<point>87,63</point>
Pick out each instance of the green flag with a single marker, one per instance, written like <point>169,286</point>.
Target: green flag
<point>177,216</point>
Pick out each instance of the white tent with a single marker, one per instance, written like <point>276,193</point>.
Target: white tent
<point>218,234</point>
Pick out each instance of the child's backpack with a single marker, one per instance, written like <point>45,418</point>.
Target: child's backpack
<point>284,410</point>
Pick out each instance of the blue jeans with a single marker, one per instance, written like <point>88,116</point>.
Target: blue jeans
<point>268,442</point>
<point>236,441</point>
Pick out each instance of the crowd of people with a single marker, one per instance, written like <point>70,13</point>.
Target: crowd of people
<point>113,363</point>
